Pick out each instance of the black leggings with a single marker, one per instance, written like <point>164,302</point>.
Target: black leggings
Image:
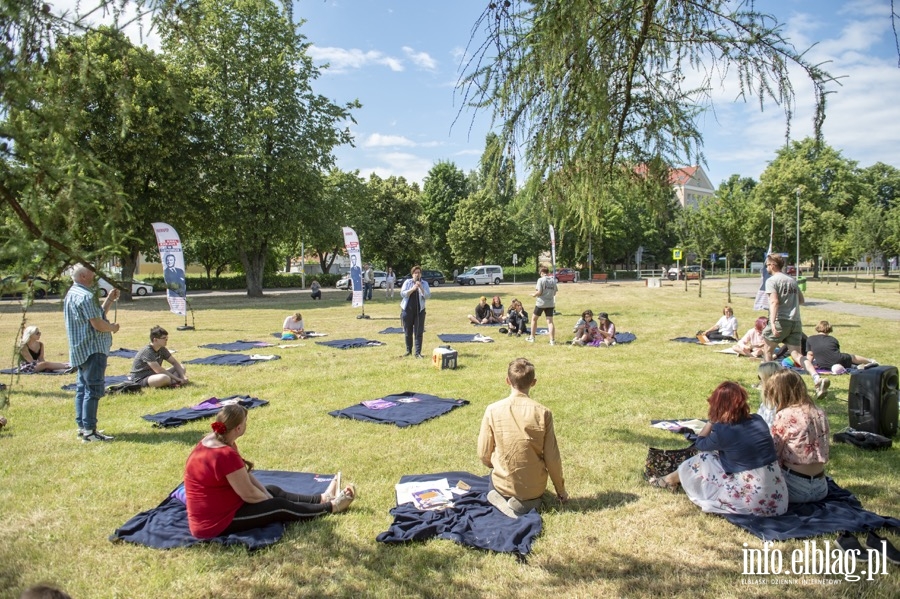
<point>283,507</point>
<point>413,327</point>
<point>717,336</point>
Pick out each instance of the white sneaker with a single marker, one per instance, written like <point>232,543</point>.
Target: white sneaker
<point>552,342</point>
<point>529,339</point>
<point>822,387</point>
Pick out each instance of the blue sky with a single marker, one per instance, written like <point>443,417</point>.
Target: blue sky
<point>401,60</point>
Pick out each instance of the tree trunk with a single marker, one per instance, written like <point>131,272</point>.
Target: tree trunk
<point>129,262</point>
<point>254,262</point>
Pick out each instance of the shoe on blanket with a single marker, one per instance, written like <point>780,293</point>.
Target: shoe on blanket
<point>822,387</point>
<point>499,501</point>
<point>881,544</point>
<point>848,542</point>
<point>660,483</point>
<point>343,500</point>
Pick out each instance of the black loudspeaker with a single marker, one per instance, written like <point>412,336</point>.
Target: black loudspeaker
<point>873,400</point>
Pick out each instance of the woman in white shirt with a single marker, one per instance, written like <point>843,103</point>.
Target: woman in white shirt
<point>725,328</point>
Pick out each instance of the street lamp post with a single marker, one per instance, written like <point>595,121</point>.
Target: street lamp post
<point>797,258</point>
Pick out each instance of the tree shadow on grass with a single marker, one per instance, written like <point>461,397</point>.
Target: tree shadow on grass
<point>599,501</point>
<point>158,436</point>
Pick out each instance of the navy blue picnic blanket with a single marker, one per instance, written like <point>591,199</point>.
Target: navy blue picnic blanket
<point>460,338</point>
<point>403,409</point>
<point>238,345</point>
<point>839,511</point>
<point>16,371</point>
<point>685,340</point>
<point>227,360</point>
<point>109,380</point>
<point>205,409</point>
<point>166,525</point>
<point>350,343</point>
<point>391,331</point>
<point>123,353</point>
<point>472,520</point>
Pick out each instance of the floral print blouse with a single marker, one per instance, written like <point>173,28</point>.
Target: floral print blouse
<point>801,435</point>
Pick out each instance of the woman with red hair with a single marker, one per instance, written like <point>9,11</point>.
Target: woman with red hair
<point>752,343</point>
<point>736,471</point>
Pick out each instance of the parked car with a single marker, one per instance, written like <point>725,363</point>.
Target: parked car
<point>694,271</point>
<point>137,287</point>
<point>566,275</point>
<point>489,274</point>
<point>791,270</point>
<point>380,280</point>
<point>16,286</point>
<point>434,278</point>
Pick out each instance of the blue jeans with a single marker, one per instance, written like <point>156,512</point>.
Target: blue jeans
<point>89,388</point>
<point>804,490</point>
<point>367,291</point>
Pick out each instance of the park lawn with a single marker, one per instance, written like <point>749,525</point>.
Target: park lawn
<point>61,499</point>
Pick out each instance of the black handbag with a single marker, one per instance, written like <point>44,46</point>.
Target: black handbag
<point>661,462</point>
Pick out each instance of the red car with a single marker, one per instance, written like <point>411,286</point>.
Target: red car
<point>566,275</point>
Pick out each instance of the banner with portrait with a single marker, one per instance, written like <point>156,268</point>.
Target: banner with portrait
<point>351,243</point>
<point>171,256</point>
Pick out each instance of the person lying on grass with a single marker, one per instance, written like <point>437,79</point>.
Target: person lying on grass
<point>223,497</point>
<point>146,369</point>
<point>518,442</point>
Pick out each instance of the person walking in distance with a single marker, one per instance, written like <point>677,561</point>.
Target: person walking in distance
<point>412,309</point>
<point>545,303</point>
<point>90,336</point>
<point>785,325</point>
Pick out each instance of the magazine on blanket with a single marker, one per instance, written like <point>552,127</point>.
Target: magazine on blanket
<point>676,425</point>
<point>431,499</point>
<point>406,493</point>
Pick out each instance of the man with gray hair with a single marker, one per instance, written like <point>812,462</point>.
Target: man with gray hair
<point>90,336</point>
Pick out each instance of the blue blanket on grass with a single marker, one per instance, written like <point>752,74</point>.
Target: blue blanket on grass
<point>238,345</point>
<point>472,521</point>
<point>460,338</point>
<point>391,331</point>
<point>123,353</point>
<point>839,511</point>
<point>350,343</point>
<point>16,371</point>
<point>205,409</point>
<point>226,360</point>
<point>403,409</point>
<point>166,525</point>
<point>109,380</point>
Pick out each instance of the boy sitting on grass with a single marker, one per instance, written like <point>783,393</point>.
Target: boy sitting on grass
<point>518,442</point>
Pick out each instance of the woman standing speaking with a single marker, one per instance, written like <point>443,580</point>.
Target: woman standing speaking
<point>412,309</point>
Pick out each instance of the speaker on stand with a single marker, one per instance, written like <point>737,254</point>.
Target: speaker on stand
<point>873,400</point>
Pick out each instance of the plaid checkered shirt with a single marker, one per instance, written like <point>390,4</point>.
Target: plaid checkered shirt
<point>84,340</point>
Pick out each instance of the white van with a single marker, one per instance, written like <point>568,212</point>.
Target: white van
<point>489,274</point>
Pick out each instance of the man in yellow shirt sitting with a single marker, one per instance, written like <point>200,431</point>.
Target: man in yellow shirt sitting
<point>518,442</point>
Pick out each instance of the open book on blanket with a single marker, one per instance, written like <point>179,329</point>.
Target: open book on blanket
<point>430,494</point>
<point>676,425</point>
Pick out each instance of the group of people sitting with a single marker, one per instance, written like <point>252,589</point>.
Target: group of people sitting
<point>516,318</point>
<point>747,465</point>
<point>600,332</point>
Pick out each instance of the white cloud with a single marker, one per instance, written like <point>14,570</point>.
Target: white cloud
<point>342,60</point>
<point>401,164</point>
<point>377,140</point>
<point>420,59</point>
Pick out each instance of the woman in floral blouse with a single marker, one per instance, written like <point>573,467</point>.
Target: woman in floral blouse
<point>800,431</point>
<point>736,471</point>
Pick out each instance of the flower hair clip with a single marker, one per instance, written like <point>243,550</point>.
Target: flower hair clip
<point>219,427</point>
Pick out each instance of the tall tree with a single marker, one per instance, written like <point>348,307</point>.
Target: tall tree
<point>252,82</point>
<point>883,183</point>
<point>590,86</point>
<point>444,188</point>
<point>393,230</point>
<point>480,231</point>
<point>343,196</point>
<point>822,181</point>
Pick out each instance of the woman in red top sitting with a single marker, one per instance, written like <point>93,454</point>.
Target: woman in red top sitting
<point>223,497</point>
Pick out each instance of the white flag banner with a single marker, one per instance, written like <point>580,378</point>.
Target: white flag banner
<point>552,251</point>
<point>172,257</point>
<point>351,243</point>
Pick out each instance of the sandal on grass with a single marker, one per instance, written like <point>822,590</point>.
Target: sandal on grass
<point>660,483</point>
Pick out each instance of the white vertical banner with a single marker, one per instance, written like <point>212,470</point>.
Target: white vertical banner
<point>351,243</point>
<point>552,252</point>
<point>171,256</point>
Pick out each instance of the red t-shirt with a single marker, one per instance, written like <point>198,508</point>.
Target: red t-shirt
<point>211,502</point>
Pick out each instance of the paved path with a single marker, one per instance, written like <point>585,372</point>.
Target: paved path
<point>749,287</point>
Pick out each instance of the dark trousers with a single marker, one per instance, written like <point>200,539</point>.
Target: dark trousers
<point>283,507</point>
<point>367,291</point>
<point>518,324</point>
<point>413,325</point>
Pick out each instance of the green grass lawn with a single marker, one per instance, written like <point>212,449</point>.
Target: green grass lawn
<point>60,499</point>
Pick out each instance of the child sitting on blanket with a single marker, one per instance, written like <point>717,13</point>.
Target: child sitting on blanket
<point>586,329</point>
<point>767,406</point>
<point>518,442</point>
<point>293,328</point>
